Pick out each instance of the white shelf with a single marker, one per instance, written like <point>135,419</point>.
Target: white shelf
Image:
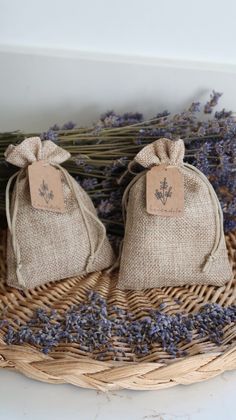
<point>22,398</point>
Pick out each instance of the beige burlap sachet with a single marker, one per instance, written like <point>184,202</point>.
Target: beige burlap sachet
<point>44,245</point>
<point>161,251</point>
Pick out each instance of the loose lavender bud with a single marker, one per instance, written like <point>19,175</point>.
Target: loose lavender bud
<point>93,325</point>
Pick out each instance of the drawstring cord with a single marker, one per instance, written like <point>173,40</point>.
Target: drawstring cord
<point>219,219</point>
<point>129,170</point>
<point>11,221</point>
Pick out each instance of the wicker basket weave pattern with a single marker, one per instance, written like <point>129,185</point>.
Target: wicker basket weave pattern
<point>67,363</point>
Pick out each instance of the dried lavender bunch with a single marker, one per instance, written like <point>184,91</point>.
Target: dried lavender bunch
<point>101,153</point>
<point>93,325</point>
<point>210,145</point>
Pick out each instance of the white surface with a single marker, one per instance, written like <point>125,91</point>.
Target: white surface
<point>22,398</point>
<point>202,30</point>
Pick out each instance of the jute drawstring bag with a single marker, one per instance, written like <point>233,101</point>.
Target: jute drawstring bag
<point>186,249</point>
<point>46,245</point>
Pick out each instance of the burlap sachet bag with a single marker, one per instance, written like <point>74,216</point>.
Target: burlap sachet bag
<point>161,251</point>
<point>44,245</point>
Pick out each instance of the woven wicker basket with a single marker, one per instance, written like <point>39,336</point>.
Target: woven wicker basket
<point>69,364</point>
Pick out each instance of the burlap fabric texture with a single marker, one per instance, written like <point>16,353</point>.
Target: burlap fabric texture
<point>43,245</point>
<point>163,251</point>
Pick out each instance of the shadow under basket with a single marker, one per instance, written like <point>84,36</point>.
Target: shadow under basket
<point>68,363</point>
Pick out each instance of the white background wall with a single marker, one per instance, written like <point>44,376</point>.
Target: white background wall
<point>74,59</point>
<point>183,29</point>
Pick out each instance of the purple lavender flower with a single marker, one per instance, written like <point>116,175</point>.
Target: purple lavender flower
<point>201,131</point>
<point>214,127</point>
<point>206,148</point>
<point>105,207</point>
<point>49,135</point>
<point>88,168</point>
<point>107,183</point>
<point>68,126</point>
<point>89,183</point>
<point>163,114</point>
<point>223,114</point>
<point>194,107</point>
<point>214,99</point>
<point>230,224</point>
<point>111,119</point>
<point>231,207</point>
<point>130,118</point>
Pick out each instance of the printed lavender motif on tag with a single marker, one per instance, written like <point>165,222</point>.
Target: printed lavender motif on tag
<point>45,193</point>
<point>164,193</point>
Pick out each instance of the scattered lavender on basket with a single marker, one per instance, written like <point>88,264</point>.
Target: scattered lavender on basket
<point>93,326</point>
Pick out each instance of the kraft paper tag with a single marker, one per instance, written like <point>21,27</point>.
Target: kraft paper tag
<point>46,187</point>
<point>165,191</point>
